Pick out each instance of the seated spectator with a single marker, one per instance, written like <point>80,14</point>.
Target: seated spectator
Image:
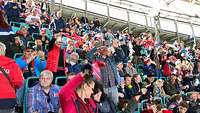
<point>174,101</point>
<point>182,108</point>
<point>171,86</point>
<point>75,95</point>
<point>130,69</point>
<point>17,46</point>
<point>136,84</point>
<point>73,65</point>
<point>24,35</point>
<point>120,66</point>
<point>32,60</point>
<point>158,90</point>
<point>128,88</point>
<point>43,98</point>
<point>104,103</point>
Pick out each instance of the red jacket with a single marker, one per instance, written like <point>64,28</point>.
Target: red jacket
<point>53,57</point>
<point>15,74</point>
<point>67,95</point>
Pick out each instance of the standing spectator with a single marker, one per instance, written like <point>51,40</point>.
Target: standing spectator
<point>75,96</point>
<point>5,33</point>
<point>109,74</point>
<point>10,79</point>
<point>12,10</point>
<point>43,97</point>
<point>56,60</point>
<point>58,24</point>
<point>45,6</point>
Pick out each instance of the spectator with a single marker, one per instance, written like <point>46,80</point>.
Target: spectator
<point>120,66</point>
<point>128,88</point>
<point>56,60</point>
<point>175,100</point>
<point>75,95</point>
<point>158,90</point>
<point>58,24</point>
<point>5,33</point>
<point>74,66</point>
<point>130,69</point>
<point>171,86</point>
<point>24,35</point>
<point>45,6</point>
<point>17,46</point>
<point>182,108</point>
<point>11,79</point>
<point>109,74</point>
<point>12,11</point>
<point>104,103</point>
<point>32,60</point>
<point>43,98</point>
<point>137,85</point>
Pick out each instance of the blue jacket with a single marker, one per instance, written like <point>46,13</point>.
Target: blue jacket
<point>39,65</point>
<point>12,9</point>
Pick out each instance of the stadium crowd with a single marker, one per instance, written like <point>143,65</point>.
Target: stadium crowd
<point>107,71</point>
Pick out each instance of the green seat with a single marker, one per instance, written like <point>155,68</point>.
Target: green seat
<point>49,34</point>
<point>34,35</point>
<point>17,55</point>
<point>15,29</point>
<point>30,82</point>
<point>30,44</point>
<point>60,81</point>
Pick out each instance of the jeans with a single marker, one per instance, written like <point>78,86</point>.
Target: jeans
<point>7,110</point>
<point>112,92</point>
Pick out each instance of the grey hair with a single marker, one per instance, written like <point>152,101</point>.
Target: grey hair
<point>3,50</point>
<point>46,73</point>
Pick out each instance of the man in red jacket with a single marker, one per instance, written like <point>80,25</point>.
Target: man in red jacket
<point>8,84</point>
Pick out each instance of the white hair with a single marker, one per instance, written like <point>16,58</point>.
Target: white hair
<point>46,73</point>
<point>2,48</point>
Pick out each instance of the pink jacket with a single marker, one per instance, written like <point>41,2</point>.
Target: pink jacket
<point>68,96</point>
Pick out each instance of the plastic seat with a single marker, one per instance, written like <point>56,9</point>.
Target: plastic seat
<point>60,81</point>
<point>17,55</point>
<point>30,44</point>
<point>30,82</point>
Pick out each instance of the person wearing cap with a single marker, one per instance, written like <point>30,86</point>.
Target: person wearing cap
<point>43,97</point>
<point>32,60</point>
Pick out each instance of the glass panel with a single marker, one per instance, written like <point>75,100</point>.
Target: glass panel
<point>150,21</point>
<point>167,25</point>
<point>118,13</point>
<point>137,18</point>
<point>196,30</point>
<point>184,28</point>
<point>97,8</point>
<point>80,4</point>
